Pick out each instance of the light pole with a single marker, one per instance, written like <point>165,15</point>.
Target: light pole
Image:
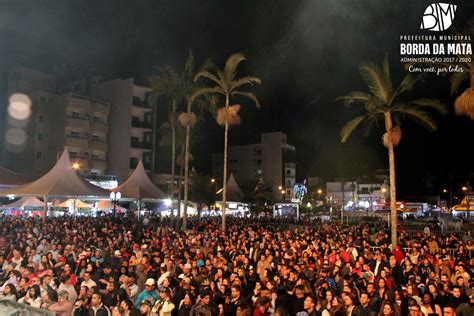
<point>115,197</point>
<point>466,197</point>
<point>384,191</point>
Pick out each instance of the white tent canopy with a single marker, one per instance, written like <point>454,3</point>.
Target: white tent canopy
<point>61,180</point>
<point>139,186</point>
<point>28,201</point>
<point>74,203</point>
<point>234,192</point>
<point>107,205</point>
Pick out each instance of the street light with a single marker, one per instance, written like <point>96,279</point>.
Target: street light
<point>115,197</point>
<point>466,197</point>
<point>320,191</point>
<point>213,181</point>
<point>75,166</point>
<point>384,191</point>
<point>282,194</point>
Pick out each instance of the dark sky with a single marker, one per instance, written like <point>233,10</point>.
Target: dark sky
<point>305,52</point>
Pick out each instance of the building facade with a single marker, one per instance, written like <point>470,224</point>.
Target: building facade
<point>106,125</point>
<point>131,119</point>
<point>273,160</point>
<point>358,195</point>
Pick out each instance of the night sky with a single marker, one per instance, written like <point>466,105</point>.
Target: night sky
<point>305,52</point>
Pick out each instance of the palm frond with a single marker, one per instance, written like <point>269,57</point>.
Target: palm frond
<point>350,127</point>
<point>456,79</point>
<point>434,104</point>
<point>370,123</point>
<point>243,81</point>
<point>249,95</point>
<point>189,66</point>
<point>407,84</point>
<point>374,79</point>
<point>419,116</point>
<point>231,65</point>
<point>206,74</point>
<point>353,97</point>
<point>204,91</point>
<point>386,72</point>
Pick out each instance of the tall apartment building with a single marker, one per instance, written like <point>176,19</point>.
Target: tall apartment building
<point>107,126</point>
<point>131,119</point>
<point>273,160</point>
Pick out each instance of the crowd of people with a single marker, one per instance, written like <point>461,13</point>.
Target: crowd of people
<point>121,266</point>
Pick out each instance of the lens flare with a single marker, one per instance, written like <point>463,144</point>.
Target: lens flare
<point>16,136</point>
<point>20,106</point>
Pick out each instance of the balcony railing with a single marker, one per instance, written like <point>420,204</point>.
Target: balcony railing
<point>141,124</point>
<point>100,126</point>
<point>78,117</point>
<point>99,145</point>
<point>76,141</point>
<point>77,136</point>
<point>141,145</point>
<point>140,103</point>
<point>78,96</point>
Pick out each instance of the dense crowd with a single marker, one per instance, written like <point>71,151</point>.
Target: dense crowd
<point>100,266</point>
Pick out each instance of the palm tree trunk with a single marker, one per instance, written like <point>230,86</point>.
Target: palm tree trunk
<point>186,169</point>
<point>224,182</point>
<point>178,215</point>
<point>393,192</point>
<point>173,151</point>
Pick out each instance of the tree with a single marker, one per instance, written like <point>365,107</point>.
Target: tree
<point>464,104</point>
<point>170,138</point>
<point>168,82</point>
<point>201,189</point>
<point>384,103</point>
<point>189,119</point>
<point>226,84</point>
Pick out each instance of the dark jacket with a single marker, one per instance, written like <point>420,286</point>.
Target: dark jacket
<point>101,311</point>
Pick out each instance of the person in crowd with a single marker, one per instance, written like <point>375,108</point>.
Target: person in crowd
<point>63,307</point>
<point>32,297</point>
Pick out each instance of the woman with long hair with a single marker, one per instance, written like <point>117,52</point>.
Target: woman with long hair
<point>9,293</point>
<point>327,302</point>
<point>387,309</point>
<point>381,288</point>
<point>184,308</point>
<point>337,308</point>
<point>32,297</point>
<point>428,306</point>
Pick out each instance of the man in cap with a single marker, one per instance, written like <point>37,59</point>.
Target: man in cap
<point>186,271</point>
<point>149,293</point>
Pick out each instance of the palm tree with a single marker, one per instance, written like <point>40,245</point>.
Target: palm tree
<point>168,82</point>
<point>188,120</point>
<point>464,104</point>
<point>384,102</point>
<point>225,83</point>
<point>167,139</point>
